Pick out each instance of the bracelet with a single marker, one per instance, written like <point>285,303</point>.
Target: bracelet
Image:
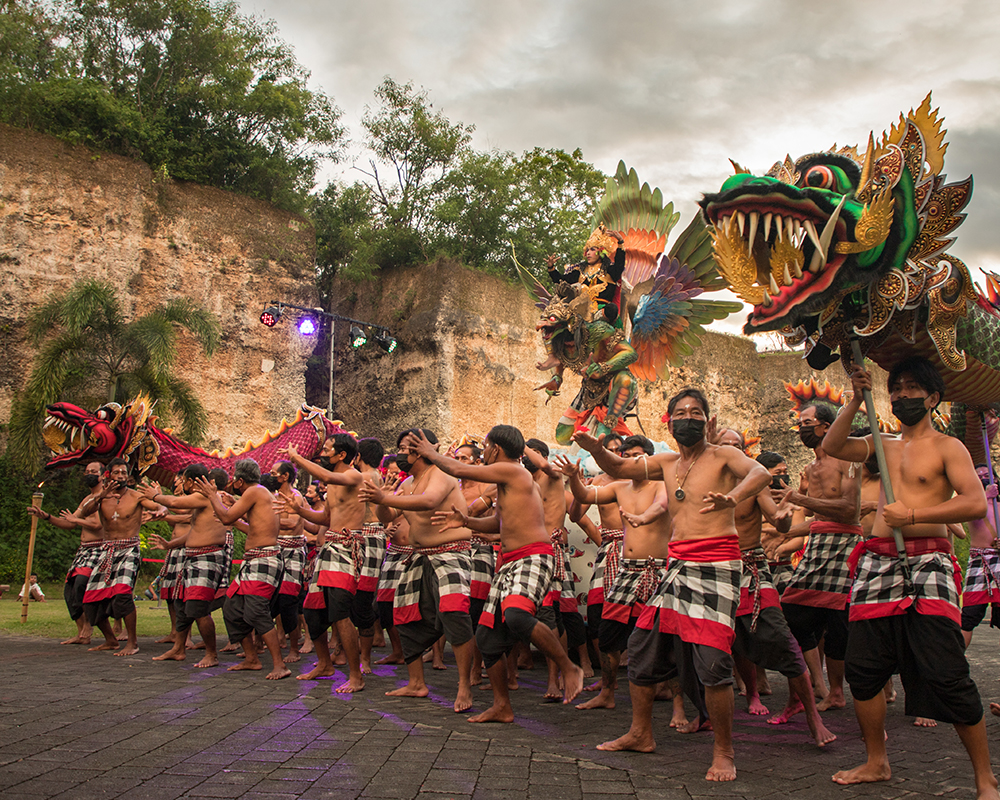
<point>48,516</point>
<point>910,517</point>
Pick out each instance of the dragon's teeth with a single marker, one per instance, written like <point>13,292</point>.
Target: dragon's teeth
<point>813,236</point>
<point>831,224</point>
<point>754,216</point>
<point>817,261</point>
<point>766,300</point>
<point>775,289</point>
<point>741,220</point>
<point>796,269</point>
<point>786,275</point>
<point>767,225</point>
<point>791,231</point>
<point>779,225</point>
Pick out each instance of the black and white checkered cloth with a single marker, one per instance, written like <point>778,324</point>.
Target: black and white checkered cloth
<point>371,566</point>
<point>452,565</point>
<point>982,577</point>
<point>393,568</point>
<point>484,559</point>
<point>260,573</point>
<point>823,578</point>
<point>609,554</point>
<point>116,571</point>
<point>757,590</point>
<point>204,575</point>
<point>637,580</point>
<point>170,572</point>
<point>88,556</point>
<point>521,581</point>
<point>293,556</point>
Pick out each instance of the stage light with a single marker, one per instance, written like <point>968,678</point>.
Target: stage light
<point>270,316</point>
<point>358,337</point>
<point>385,341</point>
<point>307,326</point>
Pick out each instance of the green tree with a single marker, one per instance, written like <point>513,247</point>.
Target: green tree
<point>90,353</point>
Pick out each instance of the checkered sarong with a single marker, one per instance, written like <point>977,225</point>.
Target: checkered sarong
<point>452,565</point>
<point>484,561</point>
<point>562,590</point>
<point>757,590</point>
<point>392,571</point>
<point>293,557</point>
<point>982,577</point>
<point>637,580</point>
<point>116,571</point>
<point>521,581</point>
<point>698,597</point>
<point>203,574</point>
<point>822,578</point>
<point>609,555</point>
<point>88,556</point>
<point>371,565</point>
<point>260,573</point>
<point>170,573</point>
<point>336,566</point>
<point>781,574</point>
<point>878,580</point>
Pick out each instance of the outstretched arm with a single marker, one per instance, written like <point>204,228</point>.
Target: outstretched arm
<point>838,441</point>
<point>498,473</point>
<point>637,469</point>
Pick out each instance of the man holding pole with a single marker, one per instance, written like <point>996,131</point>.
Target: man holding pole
<point>904,613</point>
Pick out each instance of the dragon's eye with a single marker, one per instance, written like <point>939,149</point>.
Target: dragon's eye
<point>819,177</point>
<point>102,414</point>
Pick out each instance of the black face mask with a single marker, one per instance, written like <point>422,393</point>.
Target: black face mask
<point>90,481</point>
<point>909,410</point>
<point>688,432</point>
<point>324,462</point>
<point>809,437</point>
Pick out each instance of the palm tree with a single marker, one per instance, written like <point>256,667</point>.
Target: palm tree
<point>87,350</point>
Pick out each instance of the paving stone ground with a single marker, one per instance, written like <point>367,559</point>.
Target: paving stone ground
<point>81,726</point>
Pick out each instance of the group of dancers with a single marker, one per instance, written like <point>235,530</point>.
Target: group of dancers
<point>693,579</point>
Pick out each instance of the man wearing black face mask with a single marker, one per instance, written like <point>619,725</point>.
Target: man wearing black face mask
<point>88,554</point>
<point>913,630</point>
<point>815,599</point>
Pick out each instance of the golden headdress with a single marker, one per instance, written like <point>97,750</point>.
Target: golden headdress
<point>603,240</point>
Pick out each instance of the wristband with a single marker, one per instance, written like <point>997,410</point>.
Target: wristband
<point>912,520</point>
<point>48,516</point>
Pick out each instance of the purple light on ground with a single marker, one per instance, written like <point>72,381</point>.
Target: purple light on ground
<point>307,326</point>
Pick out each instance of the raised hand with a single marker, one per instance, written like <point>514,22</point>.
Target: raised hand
<point>370,493</point>
<point>717,501</point>
<point>417,443</point>
<point>204,486</point>
<point>586,440</point>
<point>566,466</point>
<point>151,489</point>
<point>446,520</point>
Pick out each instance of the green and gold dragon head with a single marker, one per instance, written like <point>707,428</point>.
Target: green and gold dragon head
<point>849,241</point>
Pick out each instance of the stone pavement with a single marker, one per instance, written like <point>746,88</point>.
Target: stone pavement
<point>82,726</point>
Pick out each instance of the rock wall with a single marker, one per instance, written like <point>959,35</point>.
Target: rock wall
<point>68,213</point>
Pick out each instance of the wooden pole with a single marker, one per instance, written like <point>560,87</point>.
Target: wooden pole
<point>36,501</point>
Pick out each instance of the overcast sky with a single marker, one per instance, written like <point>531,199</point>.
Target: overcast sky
<point>675,88</point>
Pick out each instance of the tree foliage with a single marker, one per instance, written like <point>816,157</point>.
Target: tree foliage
<point>89,353</point>
<point>189,86</point>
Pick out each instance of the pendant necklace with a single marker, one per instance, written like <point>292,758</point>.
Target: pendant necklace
<point>115,515</point>
<point>679,494</point>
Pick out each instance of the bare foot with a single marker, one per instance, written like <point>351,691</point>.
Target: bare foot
<point>104,646</point>
<point>596,686</point>
<point>995,709</point>
<point>307,648</point>
<point>755,707</point>
<point>831,701</point>
<point>171,655</point>
<point>695,726</point>
<point>763,685</point>
<point>192,646</point>
<point>392,658</point>
<point>573,684</point>
<point>366,668</point>
<point>76,640</point>
<point>438,664</point>
<point>866,773</point>
<point>723,768</point>
<point>588,670</point>
<point>245,665</point>
<point>130,650</point>
<point>122,637</point>
<point>409,691</point>
<point>512,684</point>
<point>787,714</point>
<point>640,744</point>
<point>207,661</point>
<point>606,699</point>
<point>168,639</point>
<point>678,720</point>
<point>317,672</point>
<point>820,733</point>
<point>552,695</point>
<point>292,658</point>
<point>340,659</point>
<point>924,722</point>
<point>350,686</point>
<point>230,648</point>
<point>278,673</point>
<point>463,701</point>
<point>495,714</point>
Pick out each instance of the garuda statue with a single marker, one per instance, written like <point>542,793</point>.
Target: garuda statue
<point>846,243</point>
<point>629,310</point>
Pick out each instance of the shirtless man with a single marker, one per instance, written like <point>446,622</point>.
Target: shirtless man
<point>641,568</point>
<point>916,632</point>
<point>204,574</point>
<point>370,454</point>
<point>109,590</point>
<point>815,599</point>
<point>247,607</point>
<point>293,543</point>
<point>170,572</point>
<point>982,575</point>
<point>691,617</point>
<point>762,636</point>
<point>526,568</point>
<point>334,585</point>
<point>432,597</point>
<point>88,554</point>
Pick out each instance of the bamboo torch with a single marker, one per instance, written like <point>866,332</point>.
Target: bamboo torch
<point>36,501</point>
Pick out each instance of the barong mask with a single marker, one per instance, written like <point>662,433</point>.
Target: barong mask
<point>688,432</point>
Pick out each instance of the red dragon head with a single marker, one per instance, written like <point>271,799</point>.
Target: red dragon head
<point>75,435</point>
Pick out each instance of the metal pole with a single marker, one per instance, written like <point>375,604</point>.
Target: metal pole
<point>890,496</point>
<point>36,501</point>
<point>989,463</point>
<point>329,398</point>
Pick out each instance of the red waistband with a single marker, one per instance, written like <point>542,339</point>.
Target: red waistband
<point>533,549</point>
<point>715,548</point>
<point>825,526</point>
<point>450,547</point>
<point>203,551</point>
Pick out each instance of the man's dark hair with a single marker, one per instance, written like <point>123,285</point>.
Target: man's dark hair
<point>824,412</point>
<point>507,438</point>
<point>538,446</point>
<point>638,441</point>
<point>743,441</point>
<point>476,452</point>
<point>387,460</point>
<point>220,477</point>
<point>195,471</point>
<point>246,470</point>
<point>287,468</point>
<point>769,459</point>
<point>431,437</point>
<point>371,451</point>
<point>923,372</point>
<point>688,391</point>
<point>346,444</point>
<point>115,462</point>
<point>611,437</point>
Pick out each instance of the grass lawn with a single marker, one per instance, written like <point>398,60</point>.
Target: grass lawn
<point>50,619</point>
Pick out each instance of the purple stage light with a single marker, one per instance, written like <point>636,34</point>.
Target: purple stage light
<point>307,326</point>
